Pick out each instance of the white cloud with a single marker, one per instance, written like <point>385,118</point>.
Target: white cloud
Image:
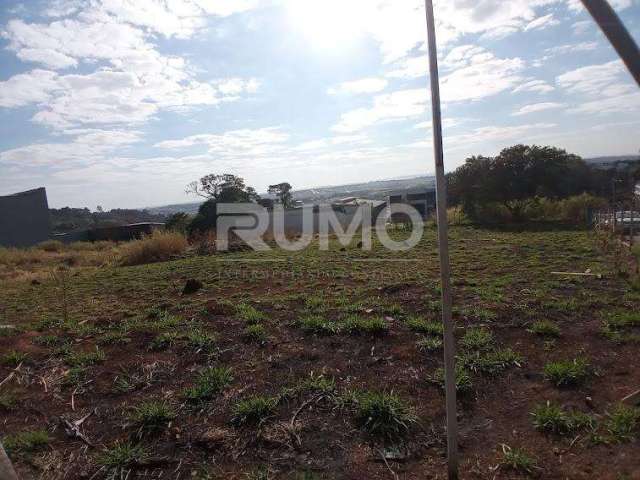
<point>364,85</point>
<point>592,79</point>
<point>629,102</point>
<point>583,26</point>
<point>24,89</point>
<point>246,144</point>
<point>604,88</point>
<point>497,134</point>
<point>571,48</point>
<point>480,74</point>
<point>89,146</point>
<point>538,107</point>
<point>390,106</point>
<point>475,73</point>
<point>538,86</point>
<point>542,22</point>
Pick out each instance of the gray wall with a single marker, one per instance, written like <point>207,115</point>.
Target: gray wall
<point>24,218</point>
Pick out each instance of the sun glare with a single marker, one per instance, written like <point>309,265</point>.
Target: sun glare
<point>327,23</point>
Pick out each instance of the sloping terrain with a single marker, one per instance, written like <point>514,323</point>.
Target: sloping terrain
<point>325,365</point>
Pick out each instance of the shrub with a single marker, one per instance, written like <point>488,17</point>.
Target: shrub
<point>383,414</point>
<point>567,372</point>
<point>253,410</point>
<point>51,246</point>
<point>160,246</point>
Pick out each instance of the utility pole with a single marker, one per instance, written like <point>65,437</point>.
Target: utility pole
<point>618,35</point>
<point>443,247</point>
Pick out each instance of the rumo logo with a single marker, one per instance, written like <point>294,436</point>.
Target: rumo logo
<point>295,229</point>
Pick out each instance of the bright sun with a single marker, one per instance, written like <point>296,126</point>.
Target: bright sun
<point>327,23</point>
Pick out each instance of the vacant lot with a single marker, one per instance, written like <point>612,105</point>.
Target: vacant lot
<point>325,365</point>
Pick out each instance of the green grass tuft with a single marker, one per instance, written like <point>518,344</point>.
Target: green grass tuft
<point>421,325</point>
<point>551,418</point>
<point>383,415</point>
<point>476,339</point>
<point>209,383</point>
<point>545,328</point>
<point>623,423</point>
<point>255,334</point>
<point>356,324</point>
<point>568,373</point>
<point>120,456</point>
<point>14,358</point>
<point>253,410</point>
<point>517,460</point>
<point>152,415</point>
<point>25,442</point>
<point>317,324</point>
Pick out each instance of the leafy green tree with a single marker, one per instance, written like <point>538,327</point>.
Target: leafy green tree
<point>283,192</point>
<point>517,174</point>
<point>225,188</point>
<point>178,222</point>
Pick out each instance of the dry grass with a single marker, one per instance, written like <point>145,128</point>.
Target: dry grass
<point>37,262</point>
<point>157,247</point>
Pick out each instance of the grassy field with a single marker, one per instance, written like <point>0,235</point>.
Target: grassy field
<point>323,365</point>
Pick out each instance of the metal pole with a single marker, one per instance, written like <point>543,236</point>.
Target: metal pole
<point>6,469</point>
<point>618,35</point>
<point>443,247</point>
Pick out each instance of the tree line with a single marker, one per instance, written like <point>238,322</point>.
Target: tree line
<point>515,184</point>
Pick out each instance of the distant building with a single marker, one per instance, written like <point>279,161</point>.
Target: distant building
<point>24,218</point>
<point>424,201</point>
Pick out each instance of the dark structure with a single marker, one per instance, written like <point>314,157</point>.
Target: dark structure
<point>424,201</point>
<point>24,218</point>
<point>118,233</point>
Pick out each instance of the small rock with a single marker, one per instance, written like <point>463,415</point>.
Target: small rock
<point>192,286</point>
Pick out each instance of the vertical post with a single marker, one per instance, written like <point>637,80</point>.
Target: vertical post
<point>443,247</point>
<point>6,469</point>
<point>618,35</point>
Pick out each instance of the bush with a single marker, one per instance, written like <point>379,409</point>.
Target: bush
<point>160,246</point>
<point>51,246</point>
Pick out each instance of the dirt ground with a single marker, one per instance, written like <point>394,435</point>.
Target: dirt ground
<point>311,333</point>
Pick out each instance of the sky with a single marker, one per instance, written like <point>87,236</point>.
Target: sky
<point>122,103</point>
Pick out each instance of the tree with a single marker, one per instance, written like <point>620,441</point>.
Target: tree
<point>225,188</point>
<point>178,222</point>
<point>517,174</point>
<point>283,192</point>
